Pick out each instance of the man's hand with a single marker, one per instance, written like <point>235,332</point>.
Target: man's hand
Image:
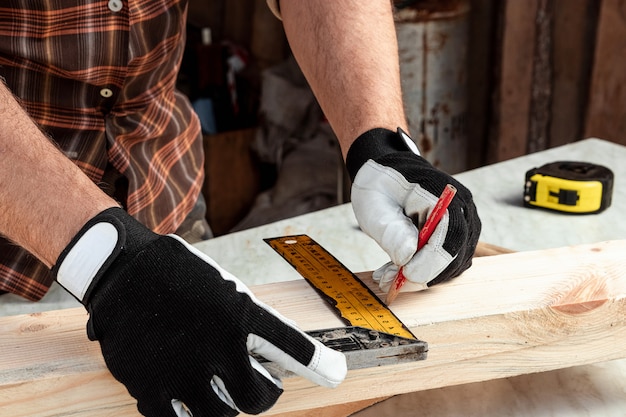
<point>178,330</point>
<point>393,191</point>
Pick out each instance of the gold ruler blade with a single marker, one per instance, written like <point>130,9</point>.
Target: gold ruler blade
<point>355,301</point>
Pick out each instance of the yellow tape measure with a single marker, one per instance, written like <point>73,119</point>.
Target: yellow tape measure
<point>569,187</point>
<point>356,303</point>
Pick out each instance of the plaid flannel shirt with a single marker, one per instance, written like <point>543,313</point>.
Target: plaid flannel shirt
<point>98,76</point>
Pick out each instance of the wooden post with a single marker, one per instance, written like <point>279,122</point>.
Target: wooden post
<point>514,77</point>
<point>606,116</point>
<point>541,88</point>
<point>544,50</point>
<point>573,43</point>
<point>232,178</point>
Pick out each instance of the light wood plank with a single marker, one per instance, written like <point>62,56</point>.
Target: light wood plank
<point>508,315</point>
<point>339,410</point>
<point>487,249</point>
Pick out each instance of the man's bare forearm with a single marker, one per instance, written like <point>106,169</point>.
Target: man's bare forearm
<point>348,52</point>
<point>45,198</point>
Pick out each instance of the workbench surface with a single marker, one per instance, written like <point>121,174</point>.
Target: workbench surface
<point>587,390</point>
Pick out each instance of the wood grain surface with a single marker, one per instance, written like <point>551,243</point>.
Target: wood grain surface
<point>508,315</point>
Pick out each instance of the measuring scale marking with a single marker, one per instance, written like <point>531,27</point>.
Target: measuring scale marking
<point>356,303</point>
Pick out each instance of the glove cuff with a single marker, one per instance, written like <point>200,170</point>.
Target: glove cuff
<point>376,143</point>
<point>94,249</point>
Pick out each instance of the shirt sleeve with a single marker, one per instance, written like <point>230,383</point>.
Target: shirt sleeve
<point>274,7</point>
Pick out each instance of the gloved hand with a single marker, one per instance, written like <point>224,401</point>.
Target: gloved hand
<point>176,329</point>
<point>393,191</point>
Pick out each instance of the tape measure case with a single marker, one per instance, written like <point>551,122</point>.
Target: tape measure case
<point>570,187</point>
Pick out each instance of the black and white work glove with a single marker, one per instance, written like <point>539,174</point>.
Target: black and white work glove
<point>176,329</point>
<point>393,191</point>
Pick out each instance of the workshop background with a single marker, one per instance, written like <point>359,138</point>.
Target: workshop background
<point>483,81</point>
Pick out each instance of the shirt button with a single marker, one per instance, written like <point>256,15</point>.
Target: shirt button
<point>115,5</point>
<point>106,92</point>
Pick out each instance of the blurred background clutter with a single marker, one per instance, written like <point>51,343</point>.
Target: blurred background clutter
<point>483,81</point>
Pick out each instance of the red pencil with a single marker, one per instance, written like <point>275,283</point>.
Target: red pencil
<point>424,235</point>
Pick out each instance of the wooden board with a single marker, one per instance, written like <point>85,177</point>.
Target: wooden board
<point>508,315</point>
<point>514,80</point>
<point>479,73</point>
<point>606,115</point>
<point>232,178</point>
<point>574,37</point>
<point>558,75</point>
